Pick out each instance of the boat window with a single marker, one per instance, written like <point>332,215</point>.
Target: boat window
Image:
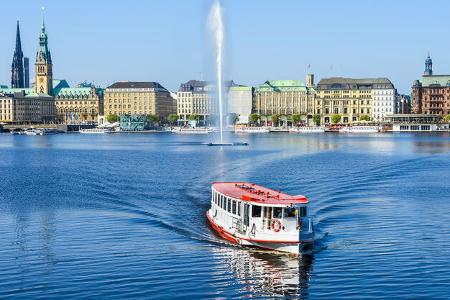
<point>234,207</point>
<point>229,205</point>
<point>277,212</point>
<point>239,208</point>
<point>289,212</point>
<point>303,211</point>
<point>222,203</point>
<point>256,211</point>
<point>246,214</point>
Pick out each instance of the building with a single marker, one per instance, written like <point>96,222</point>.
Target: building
<point>240,100</point>
<point>196,98</point>
<point>138,98</point>
<point>43,66</point>
<point>134,123</point>
<point>26,69</point>
<point>431,95</point>
<point>77,105</point>
<point>416,123</point>
<point>6,108</point>
<point>403,104</point>
<point>384,99</point>
<point>353,99</point>
<point>17,72</point>
<point>284,98</point>
<point>30,105</point>
<point>21,107</point>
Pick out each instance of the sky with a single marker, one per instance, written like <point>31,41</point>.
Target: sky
<point>167,40</point>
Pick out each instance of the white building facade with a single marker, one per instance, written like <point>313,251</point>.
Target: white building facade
<point>383,100</point>
<point>195,98</point>
<point>240,102</point>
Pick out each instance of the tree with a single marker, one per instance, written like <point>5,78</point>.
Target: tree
<point>275,119</point>
<point>193,117</point>
<point>112,118</point>
<point>295,119</point>
<point>316,119</point>
<point>447,118</point>
<point>335,119</point>
<point>172,119</point>
<point>364,118</point>
<point>153,119</point>
<point>253,118</point>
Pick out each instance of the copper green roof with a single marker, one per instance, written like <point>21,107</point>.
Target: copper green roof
<point>240,88</point>
<point>436,80</point>
<point>73,92</point>
<point>282,86</point>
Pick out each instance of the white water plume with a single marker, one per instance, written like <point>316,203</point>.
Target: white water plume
<point>215,24</point>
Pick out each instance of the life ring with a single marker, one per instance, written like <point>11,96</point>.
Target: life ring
<point>276,225</point>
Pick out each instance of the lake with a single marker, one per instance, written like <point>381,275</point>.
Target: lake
<point>123,216</point>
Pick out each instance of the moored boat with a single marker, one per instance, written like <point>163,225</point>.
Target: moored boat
<point>95,130</point>
<point>251,215</point>
<point>360,129</point>
<point>307,129</point>
<point>198,130</point>
<point>33,131</point>
<point>252,130</point>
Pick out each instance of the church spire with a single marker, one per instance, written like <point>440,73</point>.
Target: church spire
<point>43,65</point>
<point>17,79</point>
<point>428,66</point>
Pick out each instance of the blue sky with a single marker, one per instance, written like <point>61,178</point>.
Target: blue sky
<point>167,41</point>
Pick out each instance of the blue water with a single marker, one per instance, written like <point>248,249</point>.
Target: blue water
<point>123,216</point>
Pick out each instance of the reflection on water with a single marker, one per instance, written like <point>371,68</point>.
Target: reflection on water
<point>268,274</point>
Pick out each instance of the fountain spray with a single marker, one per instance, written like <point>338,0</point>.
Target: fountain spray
<point>215,22</point>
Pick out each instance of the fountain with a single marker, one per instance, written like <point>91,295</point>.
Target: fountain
<point>215,25</point>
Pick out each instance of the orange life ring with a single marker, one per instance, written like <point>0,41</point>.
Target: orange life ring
<point>276,225</point>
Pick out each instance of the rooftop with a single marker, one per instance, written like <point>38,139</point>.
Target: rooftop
<point>436,80</point>
<point>355,83</point>
<point>254,193</point>
<point>135,85</point>
<point>282,86</point>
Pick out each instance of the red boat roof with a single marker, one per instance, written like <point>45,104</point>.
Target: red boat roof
<point>251,192</point>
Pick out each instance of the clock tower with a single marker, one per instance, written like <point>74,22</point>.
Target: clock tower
<point>43,65</point>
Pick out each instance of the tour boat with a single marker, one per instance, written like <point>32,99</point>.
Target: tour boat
<point>307,129</point>
<point>251,215</point>
<point>95,130</point>
<point>252,130</point>
<point>359,129</point>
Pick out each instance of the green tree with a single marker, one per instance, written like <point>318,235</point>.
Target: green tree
<point>364,118</point>
<point>275,119</point>
<point>336,119</point>
<point>172,119</point>
<point>295,119</point>
<point>112,118</point>
<point>253,118</point>
<point>447,118</point>
<point>153,119</point>
<point>316,119</point>
<point>193,117</point>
